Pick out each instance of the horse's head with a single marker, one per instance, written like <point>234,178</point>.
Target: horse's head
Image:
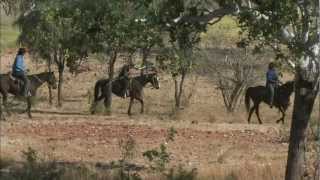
<point>154,80</point>
<point>52,81</point>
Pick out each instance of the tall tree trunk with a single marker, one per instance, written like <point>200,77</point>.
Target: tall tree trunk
<point>60,84</point>
<point>303,105</point>
<point>108,102</point>
<point>49,87</point>
<point>60,62</point>
<point>317,174</point>
<point>145,55</point>
<point>179,89</point>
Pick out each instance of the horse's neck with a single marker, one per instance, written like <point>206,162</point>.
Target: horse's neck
<point>39,79</point>
<point>142,80</point>
<point>286,91</point>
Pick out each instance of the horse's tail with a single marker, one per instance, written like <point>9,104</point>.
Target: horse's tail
<point>97,90</point>
<point>247,99</point>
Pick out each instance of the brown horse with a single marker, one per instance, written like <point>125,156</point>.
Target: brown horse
<point>8,85</point>
<point>260,94</point>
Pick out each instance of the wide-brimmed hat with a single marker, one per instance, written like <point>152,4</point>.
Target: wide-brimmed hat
<point>22,50</point>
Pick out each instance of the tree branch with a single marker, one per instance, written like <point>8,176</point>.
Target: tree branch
<point>205,19</point>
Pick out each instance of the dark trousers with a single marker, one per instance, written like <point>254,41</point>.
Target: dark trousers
<point>271,89</point>
<point>126,87</point>
<point>23,77</point>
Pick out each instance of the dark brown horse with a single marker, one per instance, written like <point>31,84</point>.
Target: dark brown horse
<point>135,89</point>
<point>260,94</point>
<point>11,86</point>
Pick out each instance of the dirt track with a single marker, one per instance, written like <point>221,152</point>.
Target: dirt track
<point>96,139</point>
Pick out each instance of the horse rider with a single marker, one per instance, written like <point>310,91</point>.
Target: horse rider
<point>125,74</point>
<point>19,70</point>
<point>272,82</point>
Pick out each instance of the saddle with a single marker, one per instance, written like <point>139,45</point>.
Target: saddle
<point>15,79</point>
<point>17,82</point>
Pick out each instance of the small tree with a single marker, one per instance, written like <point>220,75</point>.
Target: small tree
<point>233,75</point>
<point>112,29</point>
<point>52,35</point>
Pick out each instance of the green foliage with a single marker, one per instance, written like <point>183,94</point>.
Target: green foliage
<point>171,133</point>
<point>268,24</point>
<point>222,34</point>
<point>52,30</point>
<point>160,157</point>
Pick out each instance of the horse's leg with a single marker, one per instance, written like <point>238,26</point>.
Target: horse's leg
<point>257,113</point>
<point>142,104</point>
<point>283,115</point>
<point>250,114</point>
<point>1,113</point>
<point>29,106</point>
<point>130,105</point>
<point>5,103</point>
<point>93,107</point>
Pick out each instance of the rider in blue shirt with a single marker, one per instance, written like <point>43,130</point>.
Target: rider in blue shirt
<point>19,70</point>
<point>272,82</point>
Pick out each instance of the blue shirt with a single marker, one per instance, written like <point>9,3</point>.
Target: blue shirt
<point>272,76</point>
<point>19,65</point>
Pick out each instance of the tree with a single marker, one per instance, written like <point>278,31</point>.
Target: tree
<point>52,36</point>
<point>291,26</point>
<point>112,27</point>
<point>183,36</point>
<point>233,75</point>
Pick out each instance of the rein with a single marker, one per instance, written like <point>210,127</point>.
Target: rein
<point>37,78</point>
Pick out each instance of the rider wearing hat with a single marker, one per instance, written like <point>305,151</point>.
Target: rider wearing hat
<point>19,70</point>
<point>272,82</point>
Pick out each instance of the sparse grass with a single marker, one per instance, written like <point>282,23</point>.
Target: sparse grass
<point>223,34</point>
<point>8,32</point>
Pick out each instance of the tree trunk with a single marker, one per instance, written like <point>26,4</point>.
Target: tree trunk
<point>303,106</point>
<point>179,89</point>
<point>317,174</point>
<point>108,102</point>
<point>49,87</point>
<point>145,55</point>
<point>61,70</point>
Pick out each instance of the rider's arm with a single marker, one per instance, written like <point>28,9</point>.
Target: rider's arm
<point>272,76</point>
